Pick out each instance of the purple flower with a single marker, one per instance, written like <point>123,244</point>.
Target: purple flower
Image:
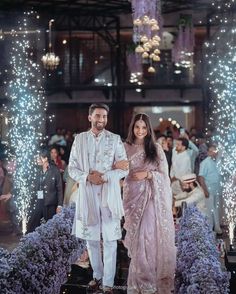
<point>42,259</point>
<point>198,267</point>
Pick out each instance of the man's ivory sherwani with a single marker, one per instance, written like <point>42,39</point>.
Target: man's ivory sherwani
<point>96,211</point>
<point>98,207</point>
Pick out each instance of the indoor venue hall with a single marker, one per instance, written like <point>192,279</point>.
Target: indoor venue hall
<point>117,146</point>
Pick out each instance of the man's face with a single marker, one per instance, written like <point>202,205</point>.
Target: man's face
<point>53,154</point>
<point>41,160</point>
<point>213,152</point>
<point>186,187</point>
<point>169,142</point>
<point>179,147</point>
<point>98,119</point>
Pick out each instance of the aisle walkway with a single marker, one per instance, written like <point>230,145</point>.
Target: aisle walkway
<point>79,277</point>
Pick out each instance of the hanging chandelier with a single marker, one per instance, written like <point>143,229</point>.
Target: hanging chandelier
<point>146,26</point>
<point>50,60</point>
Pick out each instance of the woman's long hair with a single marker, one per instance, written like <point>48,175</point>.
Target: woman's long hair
<point>149,141</point>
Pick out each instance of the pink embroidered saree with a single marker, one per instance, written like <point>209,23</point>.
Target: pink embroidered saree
<point>150,237</point>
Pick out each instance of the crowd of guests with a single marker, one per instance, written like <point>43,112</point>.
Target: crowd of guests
<point>194,173</point>
<point>90,168</point>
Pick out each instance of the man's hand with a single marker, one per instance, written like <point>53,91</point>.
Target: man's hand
<point>184,135</point>
<point>174,179</point>
<point>138,176</point>
<point>204,186</point>
<point>95,178</point>
<point>122,164</point>
<point>5,197</point>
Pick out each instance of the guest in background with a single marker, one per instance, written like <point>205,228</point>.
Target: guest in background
<point>7,197</point>
<point>192,193</point>
<point>181,164</point>
<point>49,198</point>
<point>170,141</point>
<point>210,180</point>
<point>192,149</point>
<point>202,147</point>
<point>168,151</point>
<point>56,158</point>
<point>57,139</point>
<point>64,153</point>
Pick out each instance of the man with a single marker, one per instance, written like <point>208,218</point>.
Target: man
<point>210,180</point>
<point>192,193</point>
<point>167,150</point>
<point>181,164</point>
<point>58,138</point>
<point>192,150</point>
<point>170,141</point>
<point>99,205</point>
<point>202,146</point>
<point>49,191</point>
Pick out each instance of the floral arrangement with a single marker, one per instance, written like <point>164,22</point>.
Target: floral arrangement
<point>198,267</point>
<point>43,258</point>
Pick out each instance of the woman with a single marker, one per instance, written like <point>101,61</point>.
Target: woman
<point>148,212</point>
<point>55,157</point>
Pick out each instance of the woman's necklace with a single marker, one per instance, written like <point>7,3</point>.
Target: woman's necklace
<point>139,144</point>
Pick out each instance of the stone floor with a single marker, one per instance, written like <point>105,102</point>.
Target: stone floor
<point>79,277</point>
<point>8,240</point>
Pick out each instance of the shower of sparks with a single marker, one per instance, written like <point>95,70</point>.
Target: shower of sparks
<point>221,58</point>
<point>26,115</point>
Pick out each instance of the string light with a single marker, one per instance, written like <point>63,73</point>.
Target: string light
<point>221,58</point>
<point>26,116</point>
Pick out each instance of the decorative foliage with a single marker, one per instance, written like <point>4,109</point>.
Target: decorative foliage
<point>198,267</point>
<point>42,260</point>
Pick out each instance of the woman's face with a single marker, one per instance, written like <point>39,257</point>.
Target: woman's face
<point>140,130</point>
<point>53,154</point>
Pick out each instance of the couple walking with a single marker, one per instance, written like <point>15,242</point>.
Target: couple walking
<point>98,161</point>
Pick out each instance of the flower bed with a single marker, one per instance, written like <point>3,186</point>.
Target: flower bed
<point>198,267</point>
<point>43,258</point>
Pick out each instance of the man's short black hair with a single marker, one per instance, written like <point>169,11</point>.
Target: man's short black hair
<point>184,141</point>
<point>211,145</point>
<point>98,105</point>
<point>44,152</point>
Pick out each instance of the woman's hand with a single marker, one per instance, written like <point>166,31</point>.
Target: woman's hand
<point>122,164</point>
<point>5,197</point>
<point>138,176</point>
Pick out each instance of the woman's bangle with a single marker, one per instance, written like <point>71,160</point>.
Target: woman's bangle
<point>149,176</point>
